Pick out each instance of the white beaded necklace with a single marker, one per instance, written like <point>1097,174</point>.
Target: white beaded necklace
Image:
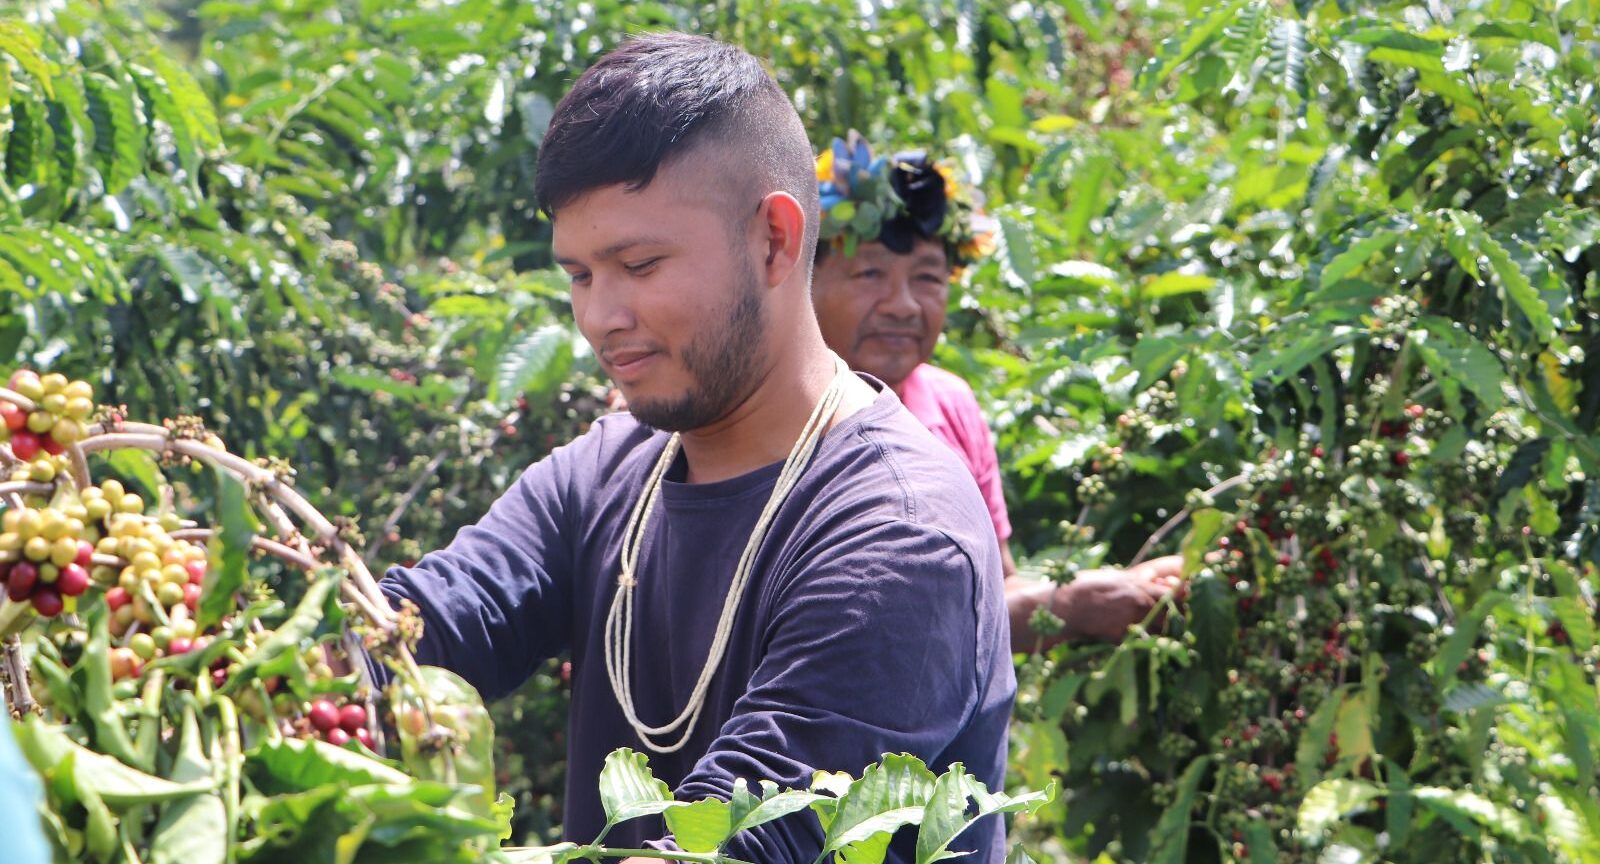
<point>619,620</point>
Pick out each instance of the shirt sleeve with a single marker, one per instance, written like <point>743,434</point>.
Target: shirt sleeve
<point>872,649</point>
<point>496,601</point>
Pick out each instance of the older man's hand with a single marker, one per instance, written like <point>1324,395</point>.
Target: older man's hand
<point>1098,605</point>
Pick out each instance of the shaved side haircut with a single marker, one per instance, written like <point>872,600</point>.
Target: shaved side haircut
<point>663,97</point>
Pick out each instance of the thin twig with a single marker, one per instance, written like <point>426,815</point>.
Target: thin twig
<point>264,544</point>
<point>1179,518</point>
<point>411,494</point>
<point>18,695</point>
<point>17,399</point>
<point>25,487</point>
<point>80,468</point>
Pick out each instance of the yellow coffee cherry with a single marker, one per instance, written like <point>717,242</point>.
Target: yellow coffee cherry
<point>67,431</point>
<point>80,390</point>
<point>79,408</point>
<point>175,574</point>
<point>52,525</point>
<point>53,382</point>
<point>63,551</point>
<point>28,385</point>
<point>112,490</point>
<point>36,549</point>
<point>10,541</point>
<point>29,523</point>
<point>39,422</point>
<point>170,594</point>
<point>97,509</point>
<point>131,503</point>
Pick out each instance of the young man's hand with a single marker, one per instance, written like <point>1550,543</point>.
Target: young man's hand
<point>1098,605</point>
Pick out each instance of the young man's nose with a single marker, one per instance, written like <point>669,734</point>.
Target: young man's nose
<point>605,307</point>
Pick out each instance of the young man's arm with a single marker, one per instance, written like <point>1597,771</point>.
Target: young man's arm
<point>496,601</point>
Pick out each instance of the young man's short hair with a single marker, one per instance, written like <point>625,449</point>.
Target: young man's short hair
<point>662,96</point>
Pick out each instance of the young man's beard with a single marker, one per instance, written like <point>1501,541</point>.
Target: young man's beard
<point>722,364</point>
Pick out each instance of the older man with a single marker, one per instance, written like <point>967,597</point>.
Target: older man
<point>880,289</point>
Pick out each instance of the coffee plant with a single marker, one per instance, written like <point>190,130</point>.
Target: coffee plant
<point>176,695</point>
<point>1330,340</point>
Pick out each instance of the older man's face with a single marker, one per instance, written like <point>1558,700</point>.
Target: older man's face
<point>882,311</point>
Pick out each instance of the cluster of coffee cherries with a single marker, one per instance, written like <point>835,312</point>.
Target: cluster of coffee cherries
<point>60,416</point>
<point>154,594</point>
<point>163,640</point>
<point>48,555</point>
<point>161,575</point>
<point>338,724</point>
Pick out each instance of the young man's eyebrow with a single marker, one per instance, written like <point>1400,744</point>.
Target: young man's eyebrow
<point>615,249</point>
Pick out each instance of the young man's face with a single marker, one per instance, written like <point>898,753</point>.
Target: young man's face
<point>882,311</point>
<point>664,290</point>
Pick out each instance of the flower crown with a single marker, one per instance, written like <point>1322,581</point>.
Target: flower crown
<point>896,201</point>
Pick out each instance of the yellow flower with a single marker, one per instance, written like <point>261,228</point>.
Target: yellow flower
<point>949,176</point>
<point>825,166</point>
<point>980,246</point>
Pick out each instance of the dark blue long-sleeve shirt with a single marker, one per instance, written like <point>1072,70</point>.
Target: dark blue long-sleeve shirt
<point>874,620</point>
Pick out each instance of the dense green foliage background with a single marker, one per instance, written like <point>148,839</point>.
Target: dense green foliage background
<point>1333,261</point>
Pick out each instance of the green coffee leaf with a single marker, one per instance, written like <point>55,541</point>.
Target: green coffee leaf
<point>888,796</point>
<point>192,830</point>
<point>628,790</point>
<point>48,750</point>
<point>1332,800</point>
<point>1170,839</point>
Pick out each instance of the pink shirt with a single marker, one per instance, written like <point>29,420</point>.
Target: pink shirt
<point>945,404</point>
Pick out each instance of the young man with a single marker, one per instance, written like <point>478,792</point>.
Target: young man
<point>761,571</point>
<point>880,290</point>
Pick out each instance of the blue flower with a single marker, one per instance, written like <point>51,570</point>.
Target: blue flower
<point>841,162</point>
<point>830,195</point>
<point>861,159</point>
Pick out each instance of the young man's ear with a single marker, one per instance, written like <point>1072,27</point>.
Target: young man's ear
<point>784,222</point>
